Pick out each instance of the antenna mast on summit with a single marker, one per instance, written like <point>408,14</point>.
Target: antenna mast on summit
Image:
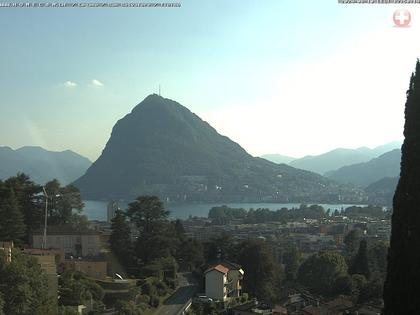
<point>159,89</point>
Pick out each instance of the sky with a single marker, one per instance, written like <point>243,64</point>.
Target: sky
<point>288,77</point>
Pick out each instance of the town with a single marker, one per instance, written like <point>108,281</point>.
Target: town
<point>210,157</point>
<point>307,260</point>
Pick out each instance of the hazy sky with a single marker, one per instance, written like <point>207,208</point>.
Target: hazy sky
<point>290,77</point>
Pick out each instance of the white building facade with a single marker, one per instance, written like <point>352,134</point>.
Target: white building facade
<point>216,281</point>
<point>75,243</point>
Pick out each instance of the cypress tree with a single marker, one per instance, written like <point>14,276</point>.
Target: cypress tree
<point>120,239</point>
<point>402,285</point>
<point>360,263</point>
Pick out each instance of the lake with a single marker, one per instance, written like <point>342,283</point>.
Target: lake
<point>97,210</point>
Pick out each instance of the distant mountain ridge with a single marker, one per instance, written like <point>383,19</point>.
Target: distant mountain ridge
<point>42,165</point>
<point>382,191</point>
<point>366,173</point>
<point>278,158</point>
<point>164,149</point>
<point>340,157</point>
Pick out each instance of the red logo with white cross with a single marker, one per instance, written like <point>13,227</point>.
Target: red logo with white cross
<point>402,18</point>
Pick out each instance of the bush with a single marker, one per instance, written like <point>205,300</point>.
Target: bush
<point>126,308</point>
<point>154,301</point>
<point>143,299</point>
<point>244,297</point>
<point>148,289</point>
<point>140,282</point>
<point>67,310</point>
<point>111,285</point>
<point>359,282</point>
<point>143,306</point>
<point>172,283</point>
<point>343,285</point>
<point>162,289</point>
<point>372,290</point>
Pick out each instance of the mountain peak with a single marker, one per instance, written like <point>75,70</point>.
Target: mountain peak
<point>162,148</point>
<point>155,99</point>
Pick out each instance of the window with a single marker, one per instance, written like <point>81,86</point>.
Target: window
<point>67,241</point>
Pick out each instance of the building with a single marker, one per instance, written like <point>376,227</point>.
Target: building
<point>7,247</point>
<point>216,282</point>
<point>93,268</point>
<point>380,229</point>
<point>338,306</point>
<point>295,299</point>
<point>223,281</point>
<point>77,243</point>
<point>251,308</point>
<point>234,277</point>
<point>111,210</point>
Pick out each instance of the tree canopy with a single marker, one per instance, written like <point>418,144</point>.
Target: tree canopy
<point>262,273</point>
<point>12,227</point>
<point>24,287</point>
<point>402,286</point>
<point>120,239</point>
<point>320,271</point>
<point>360,263</point>
<point>62,203</point>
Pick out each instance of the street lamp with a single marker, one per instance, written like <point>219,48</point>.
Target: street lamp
<point>44,241</point>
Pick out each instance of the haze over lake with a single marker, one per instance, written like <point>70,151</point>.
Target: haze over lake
<point>97,210</point>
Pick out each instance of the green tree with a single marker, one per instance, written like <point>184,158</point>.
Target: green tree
<point>371,291</point>
<point>64,203</point>
<point>160,242</point>
<point>360,263</point>
<point>190,254</point>
<point>343,285</point>
<point>377,256</point>
<point>352,241</point>
<point>76,289</point>
<point>321,271</point>
<point>24,286</point>
<point>12,226</point>
<point>291,260</point>
<point>261,273</point>
<point>30,201</point>
<point>145,211</point>
<point>402,286</point>
<point>158,238</point>
<point>220,248</point>
<point>120,239</point>
<point>179,229</point>
<point>1,304</point>
<point>164,267</point>
<point>359,284</point>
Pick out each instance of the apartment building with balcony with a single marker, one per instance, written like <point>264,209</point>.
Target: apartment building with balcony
<point>223,281</point>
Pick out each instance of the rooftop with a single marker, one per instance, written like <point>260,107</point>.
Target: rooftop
<point>219,268</point>
<point>231,265</point>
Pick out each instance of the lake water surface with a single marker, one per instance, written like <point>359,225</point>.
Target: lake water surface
<point>97,210</point>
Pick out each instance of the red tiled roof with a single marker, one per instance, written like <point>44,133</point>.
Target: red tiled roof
<point>219,268</point>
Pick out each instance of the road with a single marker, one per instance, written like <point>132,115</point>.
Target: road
<point>187,289</point>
